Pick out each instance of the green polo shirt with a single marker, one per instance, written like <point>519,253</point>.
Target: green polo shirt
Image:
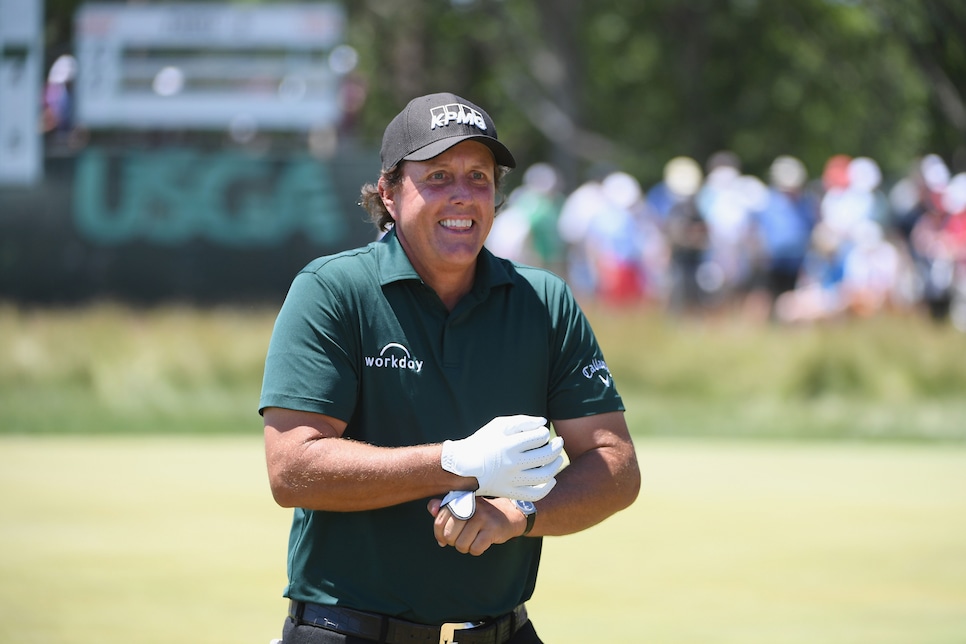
<point>360,337</point>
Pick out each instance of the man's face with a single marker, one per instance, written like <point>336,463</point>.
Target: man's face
<point>444,208</point>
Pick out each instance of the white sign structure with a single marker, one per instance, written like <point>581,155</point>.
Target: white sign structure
<point>21,80</point>
<point>208,66</point>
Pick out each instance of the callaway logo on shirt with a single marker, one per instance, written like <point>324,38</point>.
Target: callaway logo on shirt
<point>598,368</point>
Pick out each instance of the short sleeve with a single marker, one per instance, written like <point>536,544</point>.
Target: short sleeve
<point>580,381</point>
<point>311,363</point>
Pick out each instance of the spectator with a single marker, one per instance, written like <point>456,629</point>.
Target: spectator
<point>817,294</point>
<point>580,209</point>
<point>728,201</point>
<point>616,244</point>
<point>687,234</point>
<point>783,229</point>
<point>870,272</point>
<point>937,243</point>
<point>954,202</point>
<point>58,107</point>
<point>526,229</point>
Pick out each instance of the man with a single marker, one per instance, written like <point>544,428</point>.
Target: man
<point>406,391</point>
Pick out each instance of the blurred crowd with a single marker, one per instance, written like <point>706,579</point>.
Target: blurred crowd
<point>786,248</point>
<point>712,239</point>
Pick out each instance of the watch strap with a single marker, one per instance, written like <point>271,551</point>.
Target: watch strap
<point>530,520</point>
<point>529,510</point>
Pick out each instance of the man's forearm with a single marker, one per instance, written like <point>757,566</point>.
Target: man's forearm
<point>594,486</point>
<point>342,475</point>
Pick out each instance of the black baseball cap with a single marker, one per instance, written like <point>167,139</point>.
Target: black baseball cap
<point>432,124</point>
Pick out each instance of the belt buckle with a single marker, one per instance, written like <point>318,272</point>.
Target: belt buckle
<point>447,632</point>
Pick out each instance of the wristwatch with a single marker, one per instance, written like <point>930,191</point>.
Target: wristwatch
<point>530,511</point>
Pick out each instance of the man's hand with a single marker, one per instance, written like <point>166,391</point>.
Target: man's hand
<point>510,456</point>
<point>496,521</point>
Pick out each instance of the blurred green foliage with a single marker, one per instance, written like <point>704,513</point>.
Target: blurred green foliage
<point>588,85</point>
<point>608,83</point>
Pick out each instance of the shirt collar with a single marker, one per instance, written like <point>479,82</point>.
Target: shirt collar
<point>394,265</point>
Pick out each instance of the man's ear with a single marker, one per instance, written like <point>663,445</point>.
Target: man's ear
<point>386,194</point>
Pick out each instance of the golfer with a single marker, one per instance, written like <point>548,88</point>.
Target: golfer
<point>409,392</point>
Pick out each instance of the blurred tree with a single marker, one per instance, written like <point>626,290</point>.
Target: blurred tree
<point>932,30</point>
<point>609,83</point>
<point>588,84</point>
<point>810,77</point>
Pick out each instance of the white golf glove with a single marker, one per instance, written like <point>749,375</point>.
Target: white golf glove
<point>510,456</point>
<point>462,504</point>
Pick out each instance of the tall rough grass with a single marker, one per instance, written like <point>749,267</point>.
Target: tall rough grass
<point>882,358</point>
<point>890,376</point>
<point>113,369</point>
<point>110,368</point>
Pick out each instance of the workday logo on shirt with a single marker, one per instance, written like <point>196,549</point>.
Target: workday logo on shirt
<point>394,356</point>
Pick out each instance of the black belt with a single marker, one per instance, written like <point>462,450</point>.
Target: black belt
<point>390,630</point>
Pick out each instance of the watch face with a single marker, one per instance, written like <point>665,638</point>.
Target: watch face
<point>526,507</point>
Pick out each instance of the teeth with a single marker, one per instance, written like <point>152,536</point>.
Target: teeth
<point>457,223</point>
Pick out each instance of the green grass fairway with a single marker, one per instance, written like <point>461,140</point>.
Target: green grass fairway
<point>176,539</point>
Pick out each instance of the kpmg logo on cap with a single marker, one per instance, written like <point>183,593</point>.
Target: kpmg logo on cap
<point>461,114</point>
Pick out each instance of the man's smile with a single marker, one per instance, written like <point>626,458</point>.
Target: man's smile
<point>457,224</point>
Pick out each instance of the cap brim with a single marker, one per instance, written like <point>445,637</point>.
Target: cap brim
<point>500,151</point>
